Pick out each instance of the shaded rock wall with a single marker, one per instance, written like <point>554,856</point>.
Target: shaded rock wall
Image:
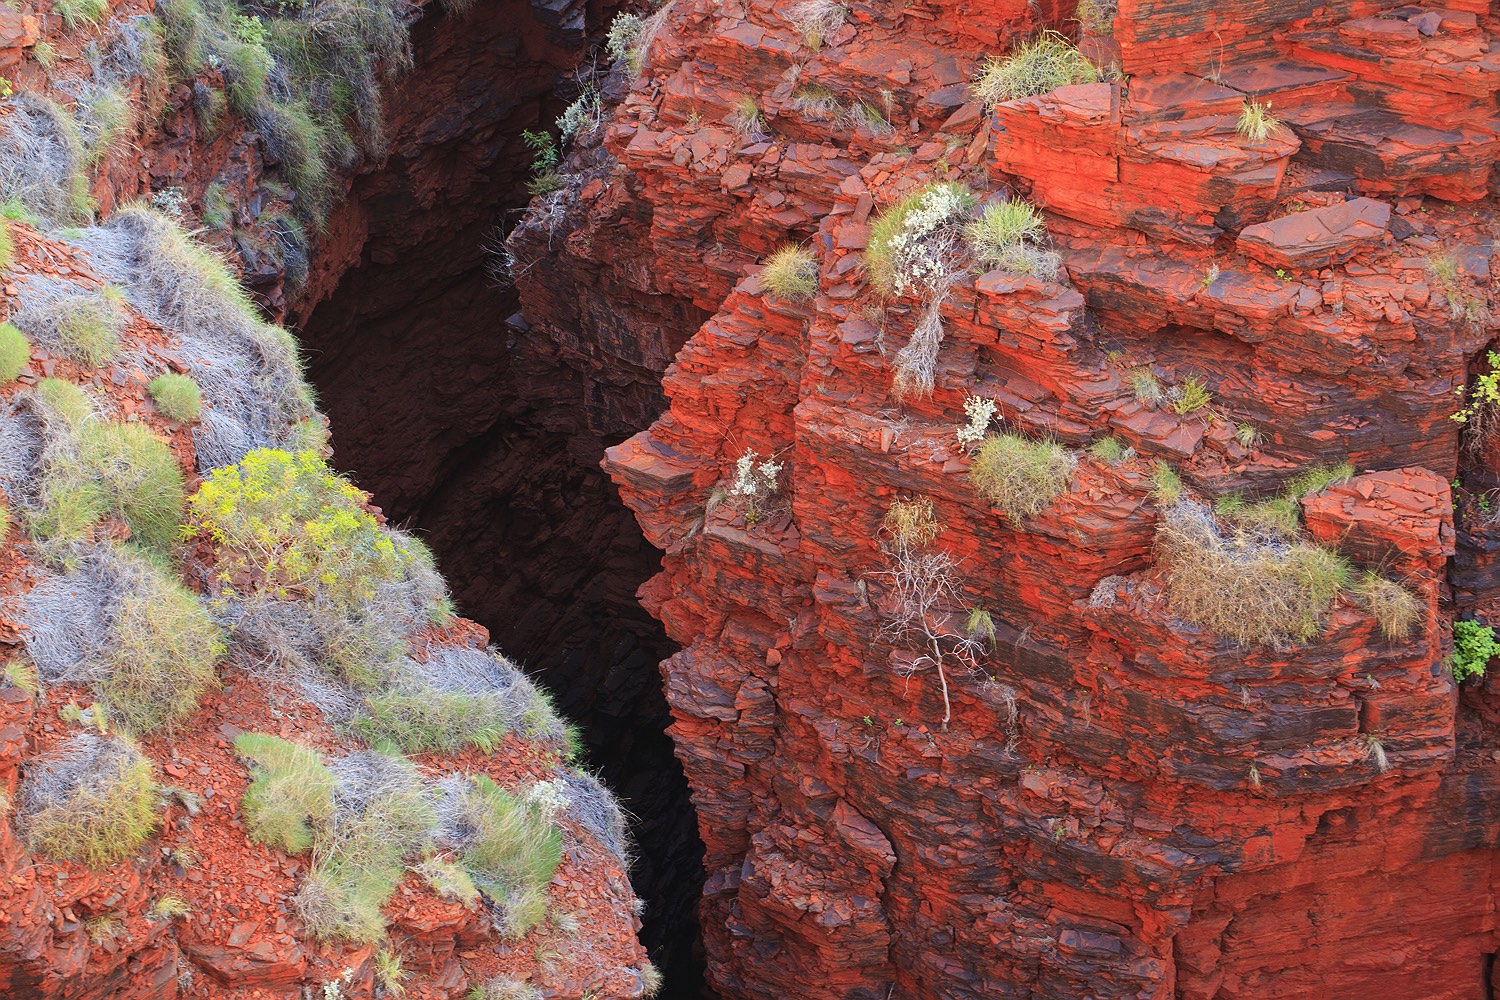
<point>1121,804</point>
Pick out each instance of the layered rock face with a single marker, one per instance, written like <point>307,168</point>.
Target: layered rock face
<point>1101,798</point>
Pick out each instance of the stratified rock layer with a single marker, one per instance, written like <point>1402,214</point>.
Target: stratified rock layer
<point>1121,805</point>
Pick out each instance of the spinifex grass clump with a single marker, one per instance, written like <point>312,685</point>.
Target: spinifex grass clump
<point>1038,66</point>
<point>176,396</point>
<point>15,352</point>
<point>1021,477</point>
<point>1395,608</point>
<point>1256,591</point>
<point>1280,516</point>
<point>164,653</point>
<point>1010,235</point>
<point>791,274</point>
<point>510,847</point>
<point>95,467</point>
<point>94,802</point>
<point>382,817</point>
<point>290,793</point>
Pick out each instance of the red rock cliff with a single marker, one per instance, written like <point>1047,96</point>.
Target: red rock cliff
<point>1121,803</point>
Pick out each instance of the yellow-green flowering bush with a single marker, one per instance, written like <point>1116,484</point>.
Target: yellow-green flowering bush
<point>290,524</point>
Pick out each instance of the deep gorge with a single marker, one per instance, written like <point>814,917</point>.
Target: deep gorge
<point>486,441</point>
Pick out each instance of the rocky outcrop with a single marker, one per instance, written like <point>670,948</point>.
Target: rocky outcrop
<point>1109,800</point>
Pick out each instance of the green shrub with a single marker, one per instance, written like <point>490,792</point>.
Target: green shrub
<point>1253,592</point>
<point>512,851</point>
<point>417,722</point>
<point>1397,609</point>
<point>166,648</point>
<point>76,13</point>
<point>1038,66</point>
<point>290,792</point>
<point>1021,477</point>
<point>94,802</point>
<point>1255,122</point>
<point>791,274</point>
<point>15,353</point>
<point>1474,646</point>
<point>176,396</point>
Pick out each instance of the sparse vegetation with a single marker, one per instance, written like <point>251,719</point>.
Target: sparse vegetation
<point>98,468</point>
<point>912,243</point>
<point>15,353</point>
<point>176,396</point>
<point>1190,397</point>
<point>1097,16</point>
<point>41,163</point>
<point>1280,516</point>
<point>1474,646</point>
<point>168,908</point>
<point>745,118</point>
<point>791,274</point>
<point>1395,608</point>
<point>80,13</point>
<point>1038,66</point>
<point>449,880</point>
<point>511,852</point>
<point>359,856</point>
<point>85,327</point>
<point>388,972</point>
<point>630,37</point>
<point>815,20</point>
<point>1166,484</point>
<point>1255,123</point>
<point>545,160</point>
<point>94,802</point>
<point>1009,235</point>
<point>426,720</point>
<point>7,246</point>
<point>980,413</point>
<point>1110,451</point>
<point>166,647</point>
<point>1146,387</point>
<point>504,989</point>
<point>1253,591</point>
<point>106,118</point>
<point>1021,477</point>
<point>291,789</point>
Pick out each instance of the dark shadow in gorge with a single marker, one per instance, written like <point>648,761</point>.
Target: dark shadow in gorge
<point>467,429</point>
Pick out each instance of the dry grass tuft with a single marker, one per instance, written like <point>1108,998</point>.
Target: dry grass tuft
<point>1021,477</point>
<point>791,274</point>
<point>1256,592</point>
<point>1397,609</point>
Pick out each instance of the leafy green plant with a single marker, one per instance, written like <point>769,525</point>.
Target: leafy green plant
<point>176,396</point>
<point>1021,477</point>
<point>15,353</point>
<point>1474,646</point>
<point>291,790</point>
<point>791,274</point>
<point>1191,397</point>
<point>1480,413</point>
<point>544,162</point>
<point>1037,66</point>
<point>293,524</point>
